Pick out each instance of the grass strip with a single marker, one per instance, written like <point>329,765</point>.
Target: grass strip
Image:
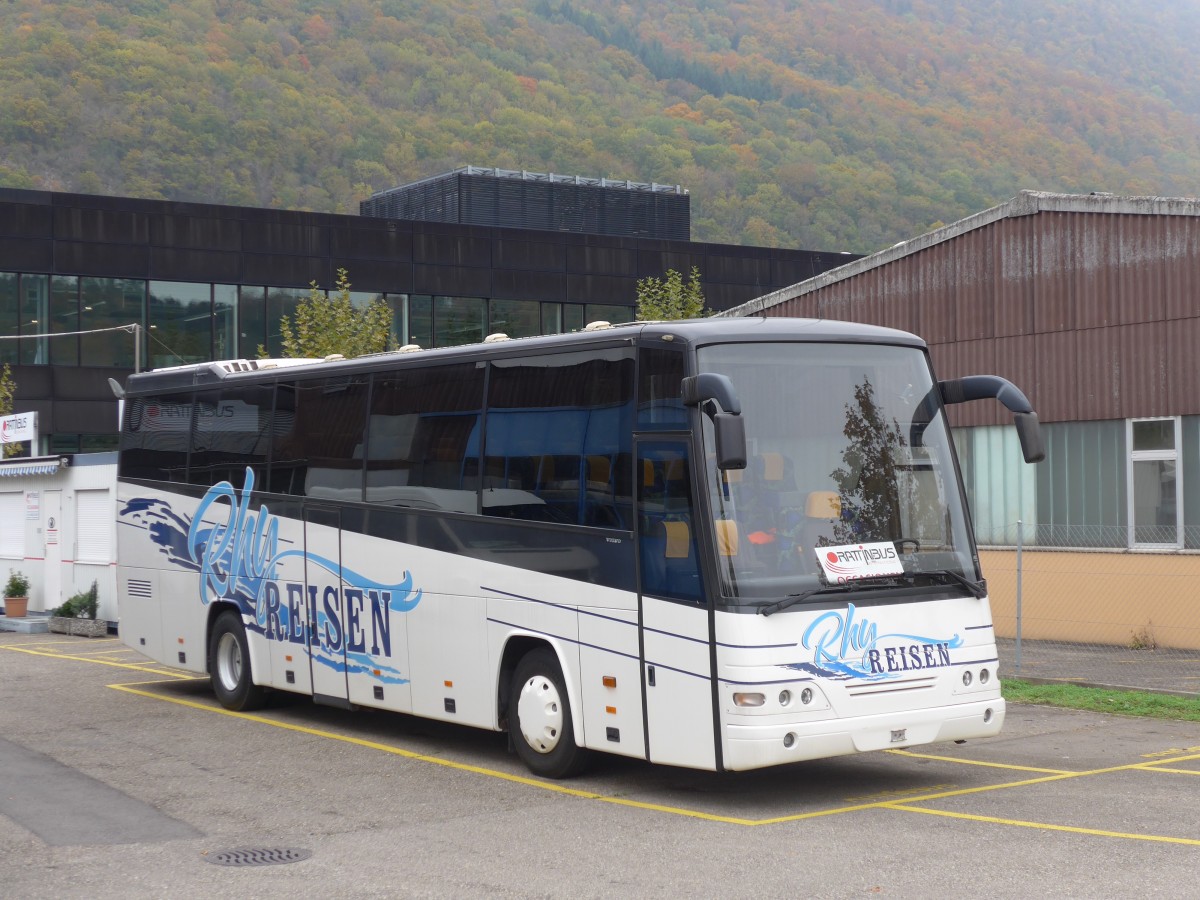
<point>1126,703</point>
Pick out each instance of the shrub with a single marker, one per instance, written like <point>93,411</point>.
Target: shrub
<point>81,606</point>
<point>18,584</point>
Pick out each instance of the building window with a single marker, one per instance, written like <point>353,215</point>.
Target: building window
<point>281,301</point>
<point>458,320</point>
<point>1077,497</point>
<point>1000,490</point>
<point>516,318</point>
<point>35,316</point>
<point>64,320</point>
<point>225,327</point>
<point>252,310</point>
<point>109,303</point>
<point>573,318</point>
<point>9,315</point>
<point>418,326</point>
<point>1155,483</point>
<point>181,320</point>
<point>601,312</point>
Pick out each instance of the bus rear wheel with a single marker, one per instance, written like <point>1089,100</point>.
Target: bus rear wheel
<point>539,714</point>
<point>229,665</point>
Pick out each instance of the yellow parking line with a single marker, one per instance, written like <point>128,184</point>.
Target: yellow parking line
<point>575,792</point>
<point>99,662</point>
<point>1172,771</point>
<point>1046,826</point>
<point>906,805</point>
<point>979,762</point>
<point>422,757</point>
<point>66,642</point>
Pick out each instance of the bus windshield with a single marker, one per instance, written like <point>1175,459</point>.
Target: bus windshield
<point>846,446</point>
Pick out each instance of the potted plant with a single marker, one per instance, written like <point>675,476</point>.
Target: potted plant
<point>16,595</point>
<point>78,615</point>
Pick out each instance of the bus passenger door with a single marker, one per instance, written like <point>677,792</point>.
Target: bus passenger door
<point>676,660</point>
<point>326,604</point>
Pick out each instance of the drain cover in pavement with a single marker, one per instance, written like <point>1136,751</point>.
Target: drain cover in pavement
<point>259,856</point>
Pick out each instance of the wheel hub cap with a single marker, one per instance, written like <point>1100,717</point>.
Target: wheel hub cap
<point>229,661</point>
<point>540,712</point>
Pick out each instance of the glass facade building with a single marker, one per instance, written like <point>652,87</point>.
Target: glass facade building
<point>208,282</point>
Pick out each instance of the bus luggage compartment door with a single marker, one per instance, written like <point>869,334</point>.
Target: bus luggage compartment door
<point>325,593</point>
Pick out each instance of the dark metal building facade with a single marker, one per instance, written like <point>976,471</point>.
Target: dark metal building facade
<point>208,281</point>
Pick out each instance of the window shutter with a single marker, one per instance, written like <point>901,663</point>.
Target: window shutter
<point>12,524</point>
<point>93,526</point>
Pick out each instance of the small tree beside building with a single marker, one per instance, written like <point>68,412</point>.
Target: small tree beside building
<point>670,297</point>
<point>323,325</point>
<point>8,390</point>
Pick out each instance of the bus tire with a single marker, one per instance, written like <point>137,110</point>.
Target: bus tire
<point>229,665</point>
<point>539,714</point>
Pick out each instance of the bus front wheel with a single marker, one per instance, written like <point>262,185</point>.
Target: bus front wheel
<point>229,664</point>
<point>540,718</point>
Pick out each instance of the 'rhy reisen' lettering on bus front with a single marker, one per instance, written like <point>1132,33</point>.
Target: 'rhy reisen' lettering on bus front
<point>844,642</point>
<point>238,558</point>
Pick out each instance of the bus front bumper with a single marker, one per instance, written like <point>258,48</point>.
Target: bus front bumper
<point>753,746</point>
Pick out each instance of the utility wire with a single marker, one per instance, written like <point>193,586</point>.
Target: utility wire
<point>128,329</point>
<point>132,328</point>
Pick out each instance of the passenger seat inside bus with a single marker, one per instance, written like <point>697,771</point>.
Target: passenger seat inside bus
<point>822,514</point>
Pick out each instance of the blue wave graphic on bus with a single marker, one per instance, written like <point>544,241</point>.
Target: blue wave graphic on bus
<point>360,664</point>
<point>241,556</point>
<point>166,528</point>
<point>240,560</point>
<point>845,647</point>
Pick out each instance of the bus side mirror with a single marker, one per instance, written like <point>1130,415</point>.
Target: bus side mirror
<point>1029,432</point>
<point>730,433</point>
<point>714,393</point>
<point>981,387</point>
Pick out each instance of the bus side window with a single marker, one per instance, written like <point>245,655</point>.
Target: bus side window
<point>231,433</point>
<point>316,455</point>
<point>659,402</point>
<point>154,441</point>
<point>558,431</point>
<point>422,447</point>
<point>670,564</point>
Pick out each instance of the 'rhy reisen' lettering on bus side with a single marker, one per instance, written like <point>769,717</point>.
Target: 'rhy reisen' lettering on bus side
<point>238,554</point>
<point>843,642</point>
<point>238,559</point>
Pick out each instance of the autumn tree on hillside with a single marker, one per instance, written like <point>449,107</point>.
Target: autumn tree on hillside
<point>670,297</point>
<point>327,325</point>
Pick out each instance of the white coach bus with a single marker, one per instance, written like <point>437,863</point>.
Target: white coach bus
<point>721,544</point>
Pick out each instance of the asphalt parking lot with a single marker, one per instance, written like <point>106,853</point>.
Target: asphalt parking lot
<point>122,778</point>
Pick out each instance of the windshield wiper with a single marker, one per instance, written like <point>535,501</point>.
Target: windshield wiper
<point>793,599</point>
<point>978,589</point>
<point>946,576</point>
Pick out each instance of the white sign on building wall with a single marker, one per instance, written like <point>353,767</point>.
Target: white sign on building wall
<point>19,428</point>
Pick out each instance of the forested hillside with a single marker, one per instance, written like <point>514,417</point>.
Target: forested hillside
<point>823,124</point>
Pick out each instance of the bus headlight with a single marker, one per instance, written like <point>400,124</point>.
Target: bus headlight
<point>967,678</point>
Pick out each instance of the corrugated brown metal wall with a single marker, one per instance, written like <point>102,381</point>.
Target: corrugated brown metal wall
<point>1093,315</point>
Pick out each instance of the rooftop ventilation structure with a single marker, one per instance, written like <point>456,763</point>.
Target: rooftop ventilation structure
<point>508,198</point>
